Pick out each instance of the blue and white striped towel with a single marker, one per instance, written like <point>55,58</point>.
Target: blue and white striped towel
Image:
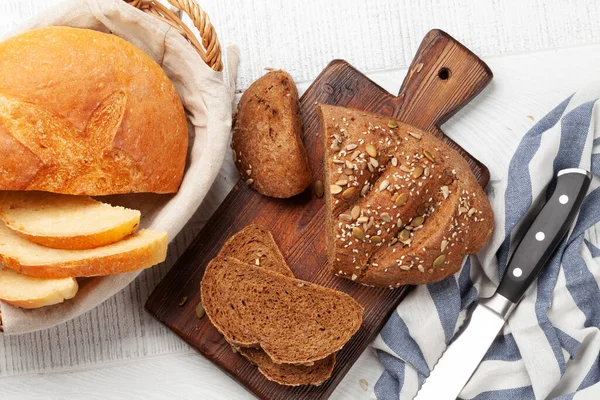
<point>551,344</point>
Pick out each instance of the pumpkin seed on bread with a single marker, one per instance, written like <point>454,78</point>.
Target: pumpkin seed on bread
<point>255,245</point>
<point>267,137</point>
<point>293,321</point>
<point>403,207</point>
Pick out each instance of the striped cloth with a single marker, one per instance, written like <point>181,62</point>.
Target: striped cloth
<point>551,344</point>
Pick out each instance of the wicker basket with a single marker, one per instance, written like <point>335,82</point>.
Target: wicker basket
<point>208,48</point>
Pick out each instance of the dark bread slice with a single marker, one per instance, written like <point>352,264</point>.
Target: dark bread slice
<point>409,216</point>
<point>255,242</point>
<point>267,137</point>
<point>293,321</point>
<point>289,374</point>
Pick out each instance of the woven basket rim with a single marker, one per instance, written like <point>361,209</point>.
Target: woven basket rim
<point>208,47</point>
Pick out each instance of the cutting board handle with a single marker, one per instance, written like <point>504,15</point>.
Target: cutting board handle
<point>442,78</point>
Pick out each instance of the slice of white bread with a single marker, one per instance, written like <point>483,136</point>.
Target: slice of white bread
<point>66,222</point>
<point>27,292</point>
<point>138,251</point>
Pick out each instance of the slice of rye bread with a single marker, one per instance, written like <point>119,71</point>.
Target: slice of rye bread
<point>403,207</point>
<point>293,321</point>
<point>289,374</point>
<point>256,243</point>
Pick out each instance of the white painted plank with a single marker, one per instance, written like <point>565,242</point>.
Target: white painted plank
<point>176,376</point>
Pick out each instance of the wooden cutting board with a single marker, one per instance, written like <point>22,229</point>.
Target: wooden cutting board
<point>442,78</point>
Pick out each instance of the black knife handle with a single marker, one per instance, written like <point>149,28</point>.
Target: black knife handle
<point>546,232</point>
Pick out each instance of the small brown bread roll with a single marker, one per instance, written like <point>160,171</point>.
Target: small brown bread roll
<point>267,137</point>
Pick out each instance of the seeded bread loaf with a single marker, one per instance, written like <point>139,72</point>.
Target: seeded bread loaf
<point>267,137</point>
<point>138,251</point>
<point>293,321</point>
<point>256,243</point>
<point>85,112</point>
<point>65,221</point>
<point>27,292</point>
<point>403,207</point>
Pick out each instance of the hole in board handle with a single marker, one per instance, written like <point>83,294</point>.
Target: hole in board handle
<point>444,74</point>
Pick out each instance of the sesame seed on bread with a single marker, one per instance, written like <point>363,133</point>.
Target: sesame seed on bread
<point>267,137</point>
<point>403,207</point>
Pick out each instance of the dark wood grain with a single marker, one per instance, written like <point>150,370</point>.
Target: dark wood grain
<point>297,224</point>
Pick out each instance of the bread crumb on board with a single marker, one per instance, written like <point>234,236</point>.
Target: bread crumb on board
<point>364,384</point>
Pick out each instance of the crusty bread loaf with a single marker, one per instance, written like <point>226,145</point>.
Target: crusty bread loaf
<point>256,243</point>
<point>84,112</point>
<point>27,292</point>
<point>293,321</point>
<point>141,250</point>
<point>404,208</point>
<point>64,221</point>
<point>267,137</point>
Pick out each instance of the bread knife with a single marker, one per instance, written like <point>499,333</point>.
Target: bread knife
<point>549,225</point>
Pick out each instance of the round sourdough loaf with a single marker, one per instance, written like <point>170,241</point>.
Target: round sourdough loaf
<point>87,113</point>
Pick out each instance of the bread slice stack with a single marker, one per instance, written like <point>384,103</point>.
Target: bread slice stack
<point>48,240</point>
<point>289,328</point>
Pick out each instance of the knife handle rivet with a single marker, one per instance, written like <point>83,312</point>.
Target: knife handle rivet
<point>517,272</point>
<point>540,236</point>
<point>563,199</point>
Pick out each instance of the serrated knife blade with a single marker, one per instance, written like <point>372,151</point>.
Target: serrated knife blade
<point>463,356</point>
<point>548,227</point>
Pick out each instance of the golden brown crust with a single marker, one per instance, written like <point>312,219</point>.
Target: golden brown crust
<point>87,263</point>
<point>64,221</point>
<point>81,242</point>
<point>19,164</point>
<point>407,212</point>
<point>84,112</point>
<point>267,137</point>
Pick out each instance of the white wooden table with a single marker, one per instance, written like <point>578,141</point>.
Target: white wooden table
<point>540,52</point>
